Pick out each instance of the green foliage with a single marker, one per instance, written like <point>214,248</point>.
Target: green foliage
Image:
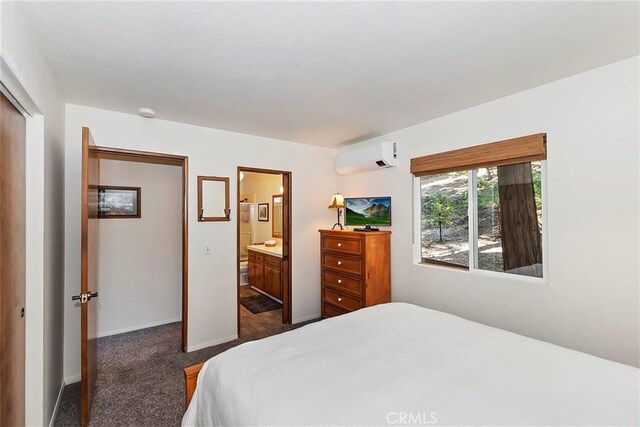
<point>537,185</point>
<point>536,172</point>
<point>488,197</point>
<point>438,209</point>
<point>460,207</point>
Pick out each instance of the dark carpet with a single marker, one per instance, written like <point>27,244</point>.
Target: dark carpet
<point>259,303</point>
<point>140,379</point>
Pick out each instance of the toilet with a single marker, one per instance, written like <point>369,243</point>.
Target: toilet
<point>243,273</point>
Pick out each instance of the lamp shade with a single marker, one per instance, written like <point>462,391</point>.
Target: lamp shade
<point>337,201</point>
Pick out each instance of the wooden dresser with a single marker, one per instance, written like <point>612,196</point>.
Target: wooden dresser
<point>355,270</point>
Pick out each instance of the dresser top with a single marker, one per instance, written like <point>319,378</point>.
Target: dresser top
<point>351,232</point>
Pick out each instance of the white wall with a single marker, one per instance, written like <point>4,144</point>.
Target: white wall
<point>212,278</point>
<point>140,259</point>
<point>261,187</point>
<point>591,300</point>
<point>35,87</point>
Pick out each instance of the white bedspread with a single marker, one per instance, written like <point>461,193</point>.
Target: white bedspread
<point>400,364</point>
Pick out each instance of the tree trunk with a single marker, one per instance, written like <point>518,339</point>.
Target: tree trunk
<point>440,225</point>
<point>520,234</point>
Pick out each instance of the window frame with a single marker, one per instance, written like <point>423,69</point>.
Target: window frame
<point>473,232</point>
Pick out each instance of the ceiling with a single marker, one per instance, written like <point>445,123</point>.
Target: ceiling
<point>323,73</point>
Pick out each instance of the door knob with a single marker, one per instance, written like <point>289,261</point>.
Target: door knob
<point>84,298</point>
<point>339,244</point>
<point>339,281</point>
<point>339,262</point>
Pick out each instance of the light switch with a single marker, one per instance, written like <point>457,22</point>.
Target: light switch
<point>207,248</point>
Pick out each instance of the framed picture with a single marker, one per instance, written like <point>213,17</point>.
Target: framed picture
<point>263,212</point>
<point>119,202</point>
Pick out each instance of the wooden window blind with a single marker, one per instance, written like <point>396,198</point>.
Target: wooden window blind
<point>529,148</point>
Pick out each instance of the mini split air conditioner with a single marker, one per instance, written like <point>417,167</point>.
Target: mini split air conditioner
<point>372,157</point>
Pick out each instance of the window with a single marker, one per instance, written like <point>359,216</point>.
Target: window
<point>484,218</point>
<point>444,219</point>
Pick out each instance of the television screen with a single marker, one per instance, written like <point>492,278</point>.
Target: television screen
<point>367,211</point>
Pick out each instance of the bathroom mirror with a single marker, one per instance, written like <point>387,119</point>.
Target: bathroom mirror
<point>276,216</point>
<point>213,199</point>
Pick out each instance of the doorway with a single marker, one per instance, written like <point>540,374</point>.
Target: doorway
<point>108,153</point>
<point>92,155</point>
<point>263,215</point>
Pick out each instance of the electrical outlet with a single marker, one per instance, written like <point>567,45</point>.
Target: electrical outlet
<point>207,248</point>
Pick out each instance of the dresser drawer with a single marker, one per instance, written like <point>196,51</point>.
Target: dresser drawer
<point>252,256</point>
<point>259,258</point>
<point>337,262</point>
<point>342,244</point>
<point>339,299</point>
<point>329,310</point>
<point>342,282</point>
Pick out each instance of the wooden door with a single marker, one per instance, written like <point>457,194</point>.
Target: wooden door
<point>272,278</point>
<point>251,272</point>
<point>12,264</point>
<point>265,279</point>
<point>89,276</point>
<point>286,248</point>
<point>276,283</point>
<point>259,276</point>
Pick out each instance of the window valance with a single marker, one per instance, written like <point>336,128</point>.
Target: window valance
<point>529,148</point>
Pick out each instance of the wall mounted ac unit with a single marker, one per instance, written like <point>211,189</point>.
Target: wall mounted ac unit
<point>372,157</point>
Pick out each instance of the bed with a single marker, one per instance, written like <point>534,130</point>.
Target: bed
<point>399,364</point>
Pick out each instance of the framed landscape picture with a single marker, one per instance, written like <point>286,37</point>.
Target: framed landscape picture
<point>263,212</point>
<point>119,202</point>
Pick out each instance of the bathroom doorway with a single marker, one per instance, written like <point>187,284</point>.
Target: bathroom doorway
<point>264,249</point>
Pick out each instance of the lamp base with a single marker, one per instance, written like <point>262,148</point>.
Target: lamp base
<point>337,224</point>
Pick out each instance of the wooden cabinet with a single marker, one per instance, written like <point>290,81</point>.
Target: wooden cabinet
<point>355,270</point>
<point>273,281</point>
<point>264,272</point>
<point>255,270</point>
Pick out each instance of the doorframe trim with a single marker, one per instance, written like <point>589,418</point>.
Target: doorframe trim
<point>14,90</point>
<point>286,317</point>
<point>111,153</point>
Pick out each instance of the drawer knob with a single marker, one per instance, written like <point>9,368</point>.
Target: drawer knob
<point>339,244</point>
<point>339,262</point>
<point>339,299</point>
<point>339,281</point>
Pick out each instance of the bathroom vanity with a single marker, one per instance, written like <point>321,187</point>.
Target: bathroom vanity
<point>264,269</point>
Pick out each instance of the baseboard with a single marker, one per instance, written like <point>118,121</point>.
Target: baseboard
<point>55,408</point>
<point>137,327</point>
<point>305,318</point>
<point>266,294</point>
<point>211,343</point>
<point>71,380</point>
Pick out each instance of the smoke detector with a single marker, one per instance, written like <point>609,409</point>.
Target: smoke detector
<point>147,112</point>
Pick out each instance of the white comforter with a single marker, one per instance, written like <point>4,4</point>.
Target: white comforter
<point>400,364</point>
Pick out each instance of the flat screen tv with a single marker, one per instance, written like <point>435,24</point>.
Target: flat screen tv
<point>367,211</point>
